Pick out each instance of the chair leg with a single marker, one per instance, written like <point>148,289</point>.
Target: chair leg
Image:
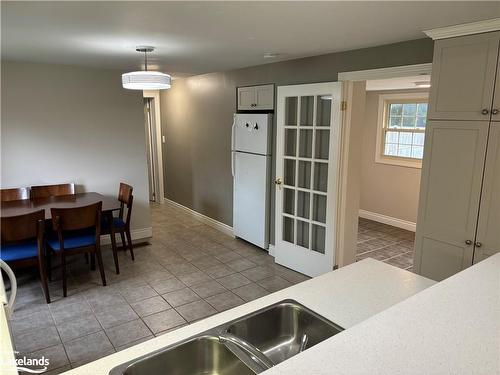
<point>63,270</point>
<point>101,266</point>
<point>49,264</point>
<point>124,244</point>
<point>115,252</point>
<point>92,261</point>
<point>86,255</point>
<point>129,240</point>
<point>43,279</point>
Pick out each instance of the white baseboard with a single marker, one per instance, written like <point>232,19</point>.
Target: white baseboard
<point>224,228</point>
<point>138,235</point>
<point>399,223</point>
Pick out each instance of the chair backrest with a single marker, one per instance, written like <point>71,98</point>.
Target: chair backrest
<point>126,198</point>
<point>69,219</point>
<point>22,227</point>
<point>44,191</point>
<point>7,195</point>
<point>125,192</point>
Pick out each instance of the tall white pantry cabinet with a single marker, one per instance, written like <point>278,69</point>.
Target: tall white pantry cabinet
<point>459,210</point>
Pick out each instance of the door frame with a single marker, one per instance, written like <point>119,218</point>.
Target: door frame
<point>157,147</point>
<point>336,129</point>
<point>348,203</point>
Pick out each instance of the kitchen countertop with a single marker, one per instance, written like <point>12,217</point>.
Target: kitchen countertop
<point>452,327</point>
<point>346,296</point>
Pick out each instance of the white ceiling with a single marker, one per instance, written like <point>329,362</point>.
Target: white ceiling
<point>199,37</point>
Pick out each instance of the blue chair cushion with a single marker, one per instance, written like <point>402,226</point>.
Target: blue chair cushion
<point>72,240</point>
<point>19,251</point>
<point>118,223</point>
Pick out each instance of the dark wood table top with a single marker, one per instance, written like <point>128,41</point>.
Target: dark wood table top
<point>24,206</point>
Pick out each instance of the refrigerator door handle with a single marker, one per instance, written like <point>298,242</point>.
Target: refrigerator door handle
<point>232,163</point>
<point>232,144</point>
<point>232,132</point>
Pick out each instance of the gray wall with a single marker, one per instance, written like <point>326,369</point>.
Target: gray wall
<point>386,189</point>
<point>62,123</point>
<point>197,115</point>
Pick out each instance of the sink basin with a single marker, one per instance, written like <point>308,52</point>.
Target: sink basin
<point>284,329</point>
<point>245,346</point>
<point>202,355</point>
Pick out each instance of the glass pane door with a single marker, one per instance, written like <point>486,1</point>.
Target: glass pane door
<point>306,143</point>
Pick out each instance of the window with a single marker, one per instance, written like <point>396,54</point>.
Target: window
<point>401,129</point>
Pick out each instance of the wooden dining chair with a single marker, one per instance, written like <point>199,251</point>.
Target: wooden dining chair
<point>77,230</point>
<point>121,223</point>
<point>22,243</point>
<point>16,194</point>
<point>43,191</point>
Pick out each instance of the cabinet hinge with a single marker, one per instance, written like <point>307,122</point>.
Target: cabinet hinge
<point>343,105</point>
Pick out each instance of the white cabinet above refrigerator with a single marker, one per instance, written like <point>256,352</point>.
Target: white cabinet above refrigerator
<point>256,98</point>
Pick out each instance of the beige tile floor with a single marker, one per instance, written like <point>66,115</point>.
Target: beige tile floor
<point>186,272</point>
<point>386,243</point>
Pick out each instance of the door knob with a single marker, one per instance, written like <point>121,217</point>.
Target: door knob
<point>278,182</point>
<point>485,111</point>
<point>478,244</point>
<point>468,242</point>
<point>494,111</point>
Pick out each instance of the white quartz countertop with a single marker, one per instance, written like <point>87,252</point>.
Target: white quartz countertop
<point>346,296</point>
<point>452,327</point>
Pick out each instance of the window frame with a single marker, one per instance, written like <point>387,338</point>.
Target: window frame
<point>383,104</point>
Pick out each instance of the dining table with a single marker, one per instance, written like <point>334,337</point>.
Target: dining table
<point>25,206</point>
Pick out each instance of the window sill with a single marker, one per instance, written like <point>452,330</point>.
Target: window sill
<point>399,162</point>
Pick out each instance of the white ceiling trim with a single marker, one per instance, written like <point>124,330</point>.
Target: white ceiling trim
<point>464,29</point>
<point>396,71</point>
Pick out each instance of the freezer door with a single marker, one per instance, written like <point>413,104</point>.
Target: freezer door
<point>252,132</point>
<point>251,198</point>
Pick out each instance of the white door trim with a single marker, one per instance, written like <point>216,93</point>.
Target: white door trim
<point>160,193</point>
<point>396,71</point>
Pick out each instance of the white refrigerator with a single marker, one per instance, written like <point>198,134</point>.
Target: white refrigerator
<point>251,144</point>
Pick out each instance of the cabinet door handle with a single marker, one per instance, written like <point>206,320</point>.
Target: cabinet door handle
<point>478,244</point>
<point>494,111</point>
<point>468,242</point>
<point>485,111</point>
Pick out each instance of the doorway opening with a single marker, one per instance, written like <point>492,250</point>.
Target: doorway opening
<point>154,143</point>
<point>150,141</point>
<point>388,113</point>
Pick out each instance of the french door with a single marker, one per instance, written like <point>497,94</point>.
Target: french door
<point>307,169</point>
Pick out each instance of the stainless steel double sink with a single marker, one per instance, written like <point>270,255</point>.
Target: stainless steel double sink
<point>248,345</point>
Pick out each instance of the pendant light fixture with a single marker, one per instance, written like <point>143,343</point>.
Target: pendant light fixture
<point>146,79</point>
